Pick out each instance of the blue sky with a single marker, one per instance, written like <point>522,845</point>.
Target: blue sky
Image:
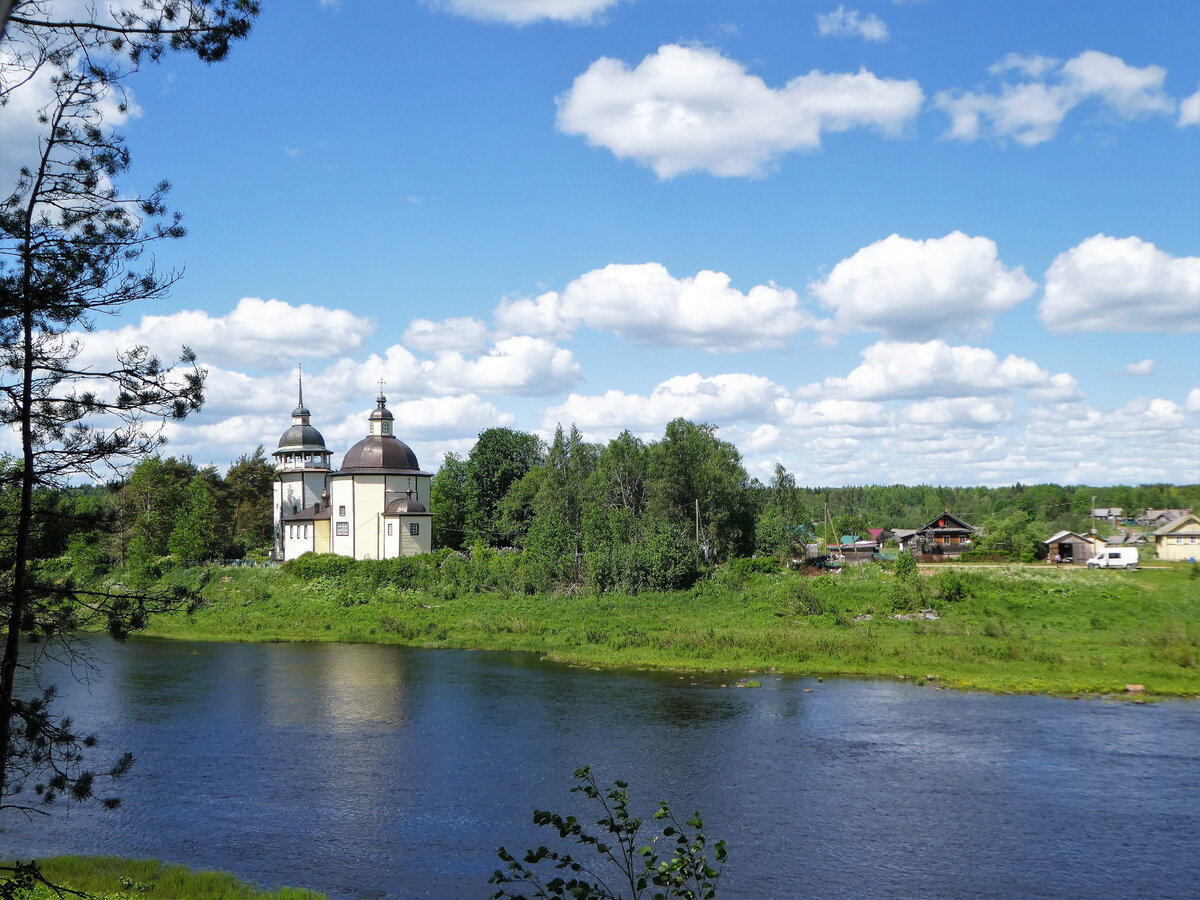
<point>935,242</point>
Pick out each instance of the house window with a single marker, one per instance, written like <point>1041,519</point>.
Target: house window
<point>389,529</point>
<point>1193,539</point>
<point>414,528</point>
<point>341,510</point>
<point>343,529</point>
<point>306,532</point>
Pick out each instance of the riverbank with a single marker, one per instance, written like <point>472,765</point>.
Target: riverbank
<point>118,878</point>
<point>1015,629</point>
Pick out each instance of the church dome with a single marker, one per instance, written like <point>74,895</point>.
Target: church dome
<point>402,505</point>
<point>302,437</point>
<point>380,451</point>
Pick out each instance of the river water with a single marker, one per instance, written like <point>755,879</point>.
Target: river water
<point>386,772</point>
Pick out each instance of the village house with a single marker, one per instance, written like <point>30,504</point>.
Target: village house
<point>1179,540</point>
<point>1108,513</point>
<point>1157,518</point>
<point>945,535</point>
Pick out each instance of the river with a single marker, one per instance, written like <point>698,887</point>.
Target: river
<point>386,772</point>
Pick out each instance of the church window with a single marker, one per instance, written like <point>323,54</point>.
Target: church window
<point>341,510</point>
<point>343,529</point>
<point>389,529</point>
<point>414,528</point>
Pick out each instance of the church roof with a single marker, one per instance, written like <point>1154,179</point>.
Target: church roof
<point>301,437</point>
<point>380,451</point>
<point>405,505</point>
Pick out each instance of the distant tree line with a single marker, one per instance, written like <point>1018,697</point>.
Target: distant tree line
<point>167,511</point>
<point>629,513</point>
<point>625,515</point>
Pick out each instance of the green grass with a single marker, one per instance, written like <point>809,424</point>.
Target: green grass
<point>114,878</point>
<point>1015,629</point>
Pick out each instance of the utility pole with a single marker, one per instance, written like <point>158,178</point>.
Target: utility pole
<point>1093,513</point>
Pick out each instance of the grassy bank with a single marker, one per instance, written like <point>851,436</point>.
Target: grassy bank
<point>1006,629</point>
<point>114,878</point>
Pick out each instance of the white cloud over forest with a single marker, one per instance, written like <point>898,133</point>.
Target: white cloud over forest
<point>688,108</point>
<point>645,304</point>
<point>922,288</point>
<point>1121,285</point>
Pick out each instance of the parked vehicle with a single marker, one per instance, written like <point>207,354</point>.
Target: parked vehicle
<point>1115,558</point>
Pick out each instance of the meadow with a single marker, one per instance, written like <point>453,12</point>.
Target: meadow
<point>1012,628</point>
<point>116,878</point>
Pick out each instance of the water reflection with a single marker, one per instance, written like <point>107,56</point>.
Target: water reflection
<point>389,772</point>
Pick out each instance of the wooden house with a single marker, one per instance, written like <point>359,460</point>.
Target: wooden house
<point>945,535</point>
<point>1179,540</point>
<point>1069,547</point>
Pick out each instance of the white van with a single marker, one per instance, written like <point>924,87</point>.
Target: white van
<point>1115,558</point>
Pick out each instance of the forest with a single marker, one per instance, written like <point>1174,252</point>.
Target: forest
<point>625,515</point>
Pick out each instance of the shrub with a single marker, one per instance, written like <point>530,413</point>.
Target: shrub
<point>949,584</point>
<point>319,565</point>
<point>906,566</point>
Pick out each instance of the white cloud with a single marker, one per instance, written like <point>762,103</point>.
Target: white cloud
<point>918,289</point>
<point>515,365</point>
<point>264,333</point>
<point>19,126</point>
<point>523,12</point>
<point>1030,112</point>
<point>1192,403</point>
<point>1145,367</point>
<point>934,369</point>
<point>689,108</point>
<point>1121,285</point>
<point>467,335</point>
<point>844,22</point>
<point>646,305</point>
<point>1031,65</point>
<point>1189,111</point>
<point>959,410</point>
<point>719,399</point>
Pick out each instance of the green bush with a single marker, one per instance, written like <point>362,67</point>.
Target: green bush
<point>951,585</point>
<point>319,565</point>
<point>749,565</point>
<point>906,566</point>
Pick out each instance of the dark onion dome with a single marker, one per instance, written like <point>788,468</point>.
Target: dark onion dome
<point>380,451</point>
<point>302,437</point>
<point>405,505</point>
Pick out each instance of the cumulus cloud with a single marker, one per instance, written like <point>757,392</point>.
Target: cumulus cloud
<point>944,411</point>
<point>922,288</point>
<point>1189,111</point>
<point>1030,111</point>
<point>523,12</point>
<point>717,399</point>
<point>1192,403</point>
<point>646,305</point>
<point>515,365</point>
<point>690,108</point>
<point>935,369</point>
<point>844,22</point>
<point>1145,367</point>
<point>466,335</point>
<point>19,126</point>
<point>267,333</point>
<point>1121,285</point>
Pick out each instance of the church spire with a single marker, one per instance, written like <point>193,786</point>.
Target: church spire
<point>300,415</point>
